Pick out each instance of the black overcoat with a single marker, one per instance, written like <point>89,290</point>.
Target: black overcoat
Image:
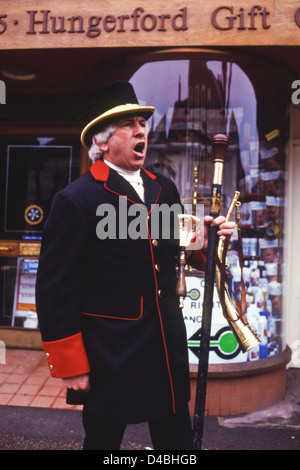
<point>108,305</point>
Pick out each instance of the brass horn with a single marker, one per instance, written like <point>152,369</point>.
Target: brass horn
<point>246,336</point>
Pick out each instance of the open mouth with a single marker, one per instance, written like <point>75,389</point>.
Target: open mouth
<point>139,148</point>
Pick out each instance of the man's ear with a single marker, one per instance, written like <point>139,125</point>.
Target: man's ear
<point>103,147</point>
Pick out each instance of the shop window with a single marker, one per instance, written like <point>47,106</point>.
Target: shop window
<point>32,170</point>
<point>195,99</point>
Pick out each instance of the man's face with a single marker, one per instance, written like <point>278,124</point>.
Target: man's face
<point>127,146</point>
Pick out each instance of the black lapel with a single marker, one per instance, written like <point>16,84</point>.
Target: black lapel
<point>152,190</point>
<point>118,185</point>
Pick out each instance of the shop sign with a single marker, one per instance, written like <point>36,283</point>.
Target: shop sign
<point>226,18</point>
<point>223,347</point>
<point>50,22</point>
<point>45,24</point>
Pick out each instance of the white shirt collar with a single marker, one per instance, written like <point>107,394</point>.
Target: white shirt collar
<point>121,171</point>
<point>133,177</point>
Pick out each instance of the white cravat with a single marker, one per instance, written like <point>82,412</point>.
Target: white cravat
<point>133,177</point>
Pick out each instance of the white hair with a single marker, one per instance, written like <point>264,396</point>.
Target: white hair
<point>95,153</point>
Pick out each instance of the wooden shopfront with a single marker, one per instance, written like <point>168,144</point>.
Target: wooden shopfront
<point>207,67</point>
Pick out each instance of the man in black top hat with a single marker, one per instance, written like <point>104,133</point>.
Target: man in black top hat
<point>108,312</point>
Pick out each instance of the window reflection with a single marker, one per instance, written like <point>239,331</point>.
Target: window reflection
<point>195,99</point>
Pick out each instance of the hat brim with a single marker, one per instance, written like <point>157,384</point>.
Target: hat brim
<point>97,124</point>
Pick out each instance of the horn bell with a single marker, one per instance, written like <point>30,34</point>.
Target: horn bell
<point>247,337</point>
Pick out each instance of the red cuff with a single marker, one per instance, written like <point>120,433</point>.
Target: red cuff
<point>66,357</point>
<point>197,260</point>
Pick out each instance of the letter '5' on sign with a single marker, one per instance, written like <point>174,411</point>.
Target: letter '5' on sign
<point>2,92</point>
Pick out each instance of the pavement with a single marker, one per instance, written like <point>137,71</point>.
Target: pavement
<point>55,427</point>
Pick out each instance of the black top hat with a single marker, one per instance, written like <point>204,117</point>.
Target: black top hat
<point>110,101</point>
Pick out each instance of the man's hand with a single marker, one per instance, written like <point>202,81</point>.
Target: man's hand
<point>226,229</point>
<point>80,383</point>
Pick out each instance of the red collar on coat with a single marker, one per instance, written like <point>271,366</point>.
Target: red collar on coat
<point>100,171</point>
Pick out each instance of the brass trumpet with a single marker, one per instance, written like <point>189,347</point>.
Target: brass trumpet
<point>246,336</point>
